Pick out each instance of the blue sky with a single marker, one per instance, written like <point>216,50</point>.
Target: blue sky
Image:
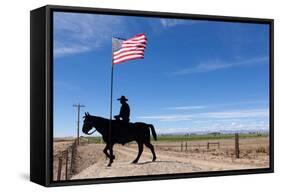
<point>196,75</point>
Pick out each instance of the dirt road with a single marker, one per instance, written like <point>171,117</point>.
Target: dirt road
<point>167,162</point>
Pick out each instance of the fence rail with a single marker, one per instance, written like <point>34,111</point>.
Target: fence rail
<point>209,144</point>
<point>183,146</point>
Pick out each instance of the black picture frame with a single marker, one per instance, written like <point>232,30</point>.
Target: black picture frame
<point>41,94</point>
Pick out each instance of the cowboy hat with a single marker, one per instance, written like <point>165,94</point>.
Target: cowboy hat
<point>123,98</point>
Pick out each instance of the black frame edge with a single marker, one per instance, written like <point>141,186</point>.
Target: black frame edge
<point>49,96</point>
<point>38,33</point>
<point>160,177</point>
<point>141,13</point>
<point>271,94</point>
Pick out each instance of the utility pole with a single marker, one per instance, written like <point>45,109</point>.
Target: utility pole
<point>78,119</point>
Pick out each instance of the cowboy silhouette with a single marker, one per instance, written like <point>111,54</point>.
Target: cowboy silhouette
<point>124,113</point>
<point>124,119</point>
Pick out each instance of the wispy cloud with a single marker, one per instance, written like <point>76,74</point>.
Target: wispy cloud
<point>174,117</point>
<point>175,22</point>
<point>218,64</point>
<point>72,49</point>
<point>185,107</point>
<point>76,33</point>
<point>191,107</point>
<point>252,113</point>
<point>214,127</point>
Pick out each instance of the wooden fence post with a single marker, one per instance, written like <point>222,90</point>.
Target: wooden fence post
<point>72,160</point>
<point>59,169</point>
<point>208,145</point>
<point>73,156</point>
<point>236,145</point>
<point>185,146</point>
<point>66,165</point>
<point>181,146</point>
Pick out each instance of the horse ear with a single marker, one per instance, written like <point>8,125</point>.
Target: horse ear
<point>85,114</point>
<point>88,113</point>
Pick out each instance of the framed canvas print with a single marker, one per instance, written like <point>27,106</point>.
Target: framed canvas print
<point>122,95</point>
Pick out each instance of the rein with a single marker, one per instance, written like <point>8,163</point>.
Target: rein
<point>91,132</point>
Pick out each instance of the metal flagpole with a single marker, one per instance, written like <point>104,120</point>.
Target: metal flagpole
<point>111,93</point>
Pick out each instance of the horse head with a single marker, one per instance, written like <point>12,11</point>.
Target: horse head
<point>87,124</point>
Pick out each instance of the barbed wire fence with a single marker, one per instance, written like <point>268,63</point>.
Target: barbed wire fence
<point>66,162</point>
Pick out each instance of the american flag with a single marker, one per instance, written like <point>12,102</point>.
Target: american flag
<point>132,48</point>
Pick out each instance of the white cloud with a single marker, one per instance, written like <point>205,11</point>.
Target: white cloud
<point>221,121</point>
<point>186,107</point>
<point>238,114</point>
<point>72,49</point>
<point>175,22</point>
<point>214,127</point>
<point>167,130</point>
<point>175,117</point>
<point>76,33</point>
<point>219,64</point>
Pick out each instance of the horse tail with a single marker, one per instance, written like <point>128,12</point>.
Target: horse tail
<point>153,131</point>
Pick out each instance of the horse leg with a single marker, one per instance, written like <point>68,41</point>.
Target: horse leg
<point>105,151</point>
<point>150,146</point>
<point>140,145</point>
<point>111,157</point>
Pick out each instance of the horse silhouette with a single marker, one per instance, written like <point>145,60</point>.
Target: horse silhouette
<point>139,132</point>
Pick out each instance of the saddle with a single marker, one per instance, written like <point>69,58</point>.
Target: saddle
<point>122,124</point>
<point>123,128</point>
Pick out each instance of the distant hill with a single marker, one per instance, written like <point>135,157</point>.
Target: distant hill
<point>218,132</point>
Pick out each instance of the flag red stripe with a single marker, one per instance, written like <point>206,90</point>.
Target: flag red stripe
<point>140,36</point>
<point>123,50</point>
<point>133,45</point>
<point>136,41</point>
<point>127,59</point>
<point>128,56</point>
<point>127,53</point>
